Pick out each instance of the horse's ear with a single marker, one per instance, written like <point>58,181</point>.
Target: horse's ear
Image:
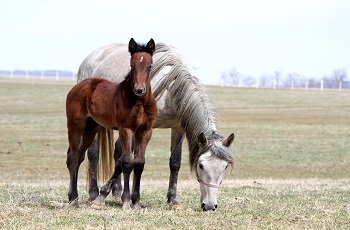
<point>151,46</point>
<point>228,141</point>
<point>202,140</point>
<point>132,46</point>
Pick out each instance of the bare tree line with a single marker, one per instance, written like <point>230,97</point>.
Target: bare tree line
<point>337,80</point>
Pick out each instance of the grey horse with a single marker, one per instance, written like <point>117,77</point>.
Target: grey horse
<point>183,106</point>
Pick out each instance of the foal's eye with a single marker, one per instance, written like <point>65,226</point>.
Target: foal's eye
<point>226,167</point>
<point>200,166</point>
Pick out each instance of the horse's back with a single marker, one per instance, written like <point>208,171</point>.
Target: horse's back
<point>92,97</point>
<point>111,62</point>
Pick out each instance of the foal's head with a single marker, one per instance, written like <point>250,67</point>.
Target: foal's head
<point>140,62</point>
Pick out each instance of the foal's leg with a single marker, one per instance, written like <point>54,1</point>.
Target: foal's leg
<point>141,142</point>
<point>93,156</point>
<point>114,183</point>
<point>106,189</point>
<point>117,185</point>
<point>177,137</point>
<point>74,156</point>
<point>80,137</point>
<point>127,164</point>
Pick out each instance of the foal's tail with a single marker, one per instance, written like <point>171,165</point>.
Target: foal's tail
<point>106,162</point>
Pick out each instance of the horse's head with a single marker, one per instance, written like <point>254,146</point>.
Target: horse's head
<point>213,161</point>
<point>140,63</point>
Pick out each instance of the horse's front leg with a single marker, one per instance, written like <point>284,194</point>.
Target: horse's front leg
<point>141,142</point>
<point>125,136</point>
<point>177,137</point>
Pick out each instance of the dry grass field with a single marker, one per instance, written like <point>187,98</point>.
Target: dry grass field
<point>292,149</point>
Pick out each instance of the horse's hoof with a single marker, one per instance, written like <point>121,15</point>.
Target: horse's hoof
<point>176,207</point>
<point>74,203</point>
<point>126,206</point>
<point>98,203</point>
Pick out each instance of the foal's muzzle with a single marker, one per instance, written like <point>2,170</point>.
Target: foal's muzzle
<point>140,92</point>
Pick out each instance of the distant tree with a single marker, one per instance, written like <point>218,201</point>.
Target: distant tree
<point>248,81</point>
<point>277,77</point>
<point>231,78</point>
<point>264,81</point>
<point>339,75</point>
<point>294,79</point>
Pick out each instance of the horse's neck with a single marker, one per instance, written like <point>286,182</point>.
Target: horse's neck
<point>192,134</point>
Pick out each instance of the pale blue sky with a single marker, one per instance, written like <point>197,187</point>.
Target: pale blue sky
<point>309,37</point>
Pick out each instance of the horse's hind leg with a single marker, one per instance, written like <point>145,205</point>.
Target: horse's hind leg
<point>177,137</point>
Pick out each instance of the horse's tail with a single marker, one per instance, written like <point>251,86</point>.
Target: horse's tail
<point>106,162</point>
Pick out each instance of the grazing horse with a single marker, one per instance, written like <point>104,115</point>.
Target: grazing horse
<point>183,106</point>
<point>128,106</point>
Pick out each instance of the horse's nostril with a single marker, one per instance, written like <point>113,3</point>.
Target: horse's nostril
<point>203,205</point>
<point>216,206</point>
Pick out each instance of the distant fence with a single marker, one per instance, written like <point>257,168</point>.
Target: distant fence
<point>41,74</point>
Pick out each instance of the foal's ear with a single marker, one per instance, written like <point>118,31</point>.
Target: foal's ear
<point>202,140</point>
<point>228,141</point>
<point>151,46</point>
<point>132,46</point>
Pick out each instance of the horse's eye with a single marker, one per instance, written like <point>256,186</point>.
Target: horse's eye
<point>200,166</point>
<point>226,167</point>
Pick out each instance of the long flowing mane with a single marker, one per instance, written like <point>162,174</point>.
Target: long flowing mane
<point>194,108</point>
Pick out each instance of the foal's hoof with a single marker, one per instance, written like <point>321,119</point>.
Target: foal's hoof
<point>98,203</point>
<point>74,203</point>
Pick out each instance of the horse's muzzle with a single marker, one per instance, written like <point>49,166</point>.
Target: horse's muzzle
<point>206,207</point>
<point>140,92</point>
